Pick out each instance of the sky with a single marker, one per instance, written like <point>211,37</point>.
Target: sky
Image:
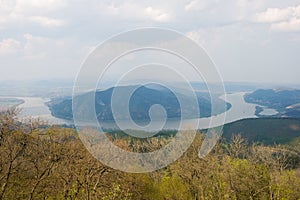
<point>248,40</point>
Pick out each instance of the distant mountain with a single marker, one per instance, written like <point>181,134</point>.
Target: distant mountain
<point>286,102</point>
<point>230,87</point>
<point>140,103</point>
<point>46,88</point>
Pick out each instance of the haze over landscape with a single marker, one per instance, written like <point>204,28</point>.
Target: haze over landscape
<point>166,100</point>
<point>250,41</point>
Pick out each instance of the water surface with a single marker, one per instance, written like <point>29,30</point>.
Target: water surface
<point>35,107</point>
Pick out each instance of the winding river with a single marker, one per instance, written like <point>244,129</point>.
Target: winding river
<point>35,107</point>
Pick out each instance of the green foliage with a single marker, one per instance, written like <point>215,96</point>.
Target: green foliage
<point>248,180</point>
<point>117,193</point>
<point>173,187</point>
<point>52,163</point>
<point>285,185</point>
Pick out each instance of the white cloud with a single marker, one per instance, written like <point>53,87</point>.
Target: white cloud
<point>291,25</point>
<point>275,15</point>
<point>40,57</point>
<point>198,5</point>
<point>58,35</point>
<point>194,35</point>
<point>13,13</point>
<point>284,19</point>
<point>9,46</point>
<point>37,47</point>
<point>6,6</point>
<point>46,21</point>
<point>133,11</point>
<point>157,14</point>
<point>225,43</point>
<point>38,6</point>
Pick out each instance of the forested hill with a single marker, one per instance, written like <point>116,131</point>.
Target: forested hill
<point>141,101</point>
<point>265,130</point>
<point>53,163</point>
<point>286,102</point>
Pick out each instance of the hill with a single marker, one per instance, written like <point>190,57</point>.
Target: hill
<point>140,103</point>
<point>52,163</point>
<point>265,130</point>
<point>286,102</point>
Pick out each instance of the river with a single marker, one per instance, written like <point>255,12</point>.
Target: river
<point>35,107</point>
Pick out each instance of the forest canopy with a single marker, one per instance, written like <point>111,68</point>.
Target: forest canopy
<point>39,161</point>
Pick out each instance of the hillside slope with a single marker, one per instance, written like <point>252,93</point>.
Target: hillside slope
<point>286,102</point>
<point>267,131</point>
<point>140,103</point>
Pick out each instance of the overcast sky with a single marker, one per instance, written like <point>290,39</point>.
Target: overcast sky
<point>249,40</point>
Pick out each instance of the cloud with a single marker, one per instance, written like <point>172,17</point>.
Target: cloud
<point>218,37</point>
<point>190,5</point>
<point>284,19</point>
<point>40,57</point>
<point>37,47</point>
<point>37,6</point>
<point>46,21</point>
<point>6,6</point>
<point>9,46</point>
<point>136,12</point>
<point>291,25</point>
<point>194,35</point>
<point>275,15</point>
<point>22,12</point>
<point>44,36</point>
<point>197,5</point>
<point>157,14</point>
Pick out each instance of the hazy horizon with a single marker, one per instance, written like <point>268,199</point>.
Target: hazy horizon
<point>249,41</point>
